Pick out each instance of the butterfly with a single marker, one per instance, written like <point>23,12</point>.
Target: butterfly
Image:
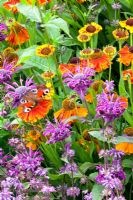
<point>34,105</point>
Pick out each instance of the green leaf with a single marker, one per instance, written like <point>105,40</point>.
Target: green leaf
<point>26,54</point>
<point>128,117</point>
<point>4,133</point>
<point>30,12</point>
<point>96,192</point>
<point>92,176</point>
<point>60,23</point>
<point>85,166</point>
<point>127,163</point>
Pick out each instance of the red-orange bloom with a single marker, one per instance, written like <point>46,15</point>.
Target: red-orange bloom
<point>126,55</point>
<point>40,2</point>
<point>11,5</point>
<point>128,74</point>
<point>99,60</point>
<point>29,112</point>
<point>126,147</point>
<point>18,34</point>
<point>70,109</point>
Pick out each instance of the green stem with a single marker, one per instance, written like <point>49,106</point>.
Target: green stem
<point>110,68</point>
<point>91,42</point>
<point>120,64</point>
<point>131,39</point>
<point>130,93</point>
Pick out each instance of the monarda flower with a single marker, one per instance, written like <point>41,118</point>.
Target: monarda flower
<point>6,73</point>
<point>120,34</point>
<point>3,32</point>
<point>70,109</point>
<point>45,50</point>
<point>128,24</point>
<point>56,132</point>
<point>126,55</point>
<point>80,81</point>
<point>110,106</point>
<point>128,74</point>
<point>99,60</point>
<point>18,34</point>
<point>91,29</point>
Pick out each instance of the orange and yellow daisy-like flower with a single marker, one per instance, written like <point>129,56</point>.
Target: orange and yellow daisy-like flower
<point>86,52</point>
<point>45,50</point>
<point>120,34</point>
<point>70,109</point>
<point>40,2</point>
<point>128,24</point>
<point>83,37</point>
<point>126,55</point>
<point>48,75</point>
<point>11,5</point>
<point>99,60</point>
<point>29,112</point>
<point>126,147</point>
<point>80,1</point>
<point>91,29</point>
<point>128,131</point>
<point>128,74</point>
<point>110,51</point>
<point>18,34</point>
<point>89,98</point>
<point>32,139</point>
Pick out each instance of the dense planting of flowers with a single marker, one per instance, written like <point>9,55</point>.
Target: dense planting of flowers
<point>66,100</point>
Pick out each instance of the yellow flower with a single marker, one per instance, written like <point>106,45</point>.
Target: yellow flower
<point>48,75</point>
<point>91,29</point>
<point>45,50</point>
<point>120,34</point>
<point>110,51</point>
<point>51,91</point>
<point>86,52</point>
<point>128,24</point>
<point>83,37</point>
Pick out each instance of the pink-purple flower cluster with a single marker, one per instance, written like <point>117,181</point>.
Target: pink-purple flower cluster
<point>56,132</point>
<point>80,81</point>
<point>3,31</point>
<point>111,174</point>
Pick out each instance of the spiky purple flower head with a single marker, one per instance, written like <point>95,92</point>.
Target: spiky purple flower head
<point>56,132</point>
<point>109,107</point>
<point>73,191</point>
<point>16,92</point>
<point>80,81</point>
<point>3,31</point>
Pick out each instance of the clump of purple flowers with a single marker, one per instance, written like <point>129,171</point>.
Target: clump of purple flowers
<point>16,92</point>
<point>111,173</point>
<point>3,31</point>
<point>56,132</point>
<point>80,81</point>
<point>109,106</point>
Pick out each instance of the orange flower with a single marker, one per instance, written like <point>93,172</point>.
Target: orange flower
<point>128,131</point>
<point>80,1</point>
<point>99,60</point>
<point>29,112</point>
<point>70,109</point>
<point>40,2</point>
<point>126,147</point>
<point>126,55</point>
<point>31,145</point>
<point>124,102</point>
<point>128,74</point>
<point>89,98</point>
<point>10,5</point>
<point>18,34</point>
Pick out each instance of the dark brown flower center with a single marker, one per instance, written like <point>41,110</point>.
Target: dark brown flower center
<point>121,33</point>
<point>74,60</point>
<point>131,49</point>
<point>68,105</point>
<point>83,37</point>
<point>46,51</point>
<point>90,29</point>
<point>129,22</point>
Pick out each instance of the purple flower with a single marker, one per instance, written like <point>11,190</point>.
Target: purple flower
<point>73,191</point>
<point>48,189</point>
<point>109,107</point>
<point>16,92</point>
<point>56,132</point>
<point>109,86</point>
<point>3,31</point>
<point>80,81</point>
<point>69,168</point>
<point>88,196</point>
<point>13,142</point>
<point>69,153</point>
<point>5,76</point>
<point>116,6</point>
<point>5,194</point>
